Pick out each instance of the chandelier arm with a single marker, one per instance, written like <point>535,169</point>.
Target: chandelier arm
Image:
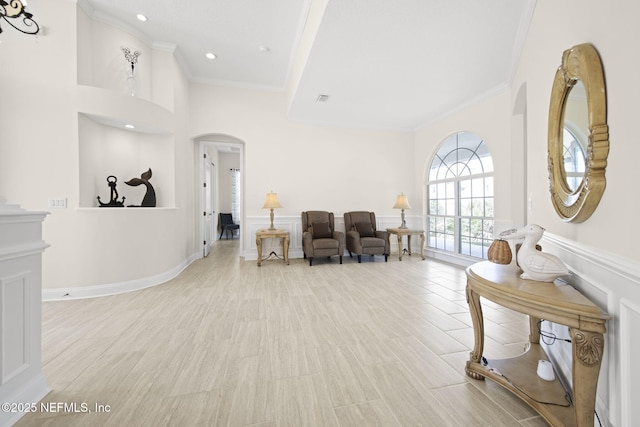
<point>18,12</point>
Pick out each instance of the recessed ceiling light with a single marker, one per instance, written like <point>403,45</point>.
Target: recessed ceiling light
<point>264,49</point>
<point>128,126</point>
<point>141,17</point>
<point>211,55</point>
<point>322,98</point>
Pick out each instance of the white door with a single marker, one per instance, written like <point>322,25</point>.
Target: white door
<point>208,213</point>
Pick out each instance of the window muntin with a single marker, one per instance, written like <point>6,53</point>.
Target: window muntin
<point>574,158</point>
<point>460,196</point>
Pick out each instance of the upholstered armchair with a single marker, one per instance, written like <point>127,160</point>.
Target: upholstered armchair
<point>319,237</point>
<point>362,238</point>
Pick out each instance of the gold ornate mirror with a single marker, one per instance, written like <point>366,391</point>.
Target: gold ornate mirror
<point>578,134</point>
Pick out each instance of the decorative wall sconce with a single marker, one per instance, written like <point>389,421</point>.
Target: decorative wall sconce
<point>132,58</point>
<point>402,203</point>
<point>22,20</point>
<point>271,203</point>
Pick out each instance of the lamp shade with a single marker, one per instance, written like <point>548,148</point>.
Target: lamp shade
<point>272,201</point>
<point>402,202</point>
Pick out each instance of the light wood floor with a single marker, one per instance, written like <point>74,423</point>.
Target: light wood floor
<point>228,343</point>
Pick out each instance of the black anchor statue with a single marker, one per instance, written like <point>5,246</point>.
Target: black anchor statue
<point>113,203</point>
<point>149,200</point>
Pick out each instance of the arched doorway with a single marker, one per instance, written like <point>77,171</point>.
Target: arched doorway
<point>211,149</point>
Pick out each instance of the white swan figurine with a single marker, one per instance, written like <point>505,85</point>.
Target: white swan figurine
<point>536,265</point>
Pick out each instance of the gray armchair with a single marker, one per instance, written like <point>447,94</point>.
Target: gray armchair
<point>319,237</point>
<point>362,236</point>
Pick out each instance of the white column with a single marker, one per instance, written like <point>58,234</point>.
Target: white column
<point>21,247</point>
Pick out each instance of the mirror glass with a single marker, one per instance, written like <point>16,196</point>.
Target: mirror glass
<point>575,135</point>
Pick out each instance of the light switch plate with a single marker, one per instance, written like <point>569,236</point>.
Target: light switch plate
<point>57,203</point>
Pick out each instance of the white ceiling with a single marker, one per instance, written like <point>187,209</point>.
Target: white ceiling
<point>384,64</point>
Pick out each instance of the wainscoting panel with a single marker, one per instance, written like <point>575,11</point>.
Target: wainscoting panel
<point>15,323</point>
<point>612,283</point>
<point>629,348</point>
<point>294,225</point>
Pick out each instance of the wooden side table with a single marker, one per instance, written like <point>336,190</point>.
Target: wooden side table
<point>559,303</point>
<point>399,232</point>
<point>265,233</point>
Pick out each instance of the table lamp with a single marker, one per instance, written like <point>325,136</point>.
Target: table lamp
<point>271,203</point>
<point>402,203</point>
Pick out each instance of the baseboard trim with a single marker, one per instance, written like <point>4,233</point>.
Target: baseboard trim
<point>60,294</point>
<point>32,393</point>
<point>450,257</point>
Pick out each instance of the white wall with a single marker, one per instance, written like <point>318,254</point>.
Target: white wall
<point>109,250</point>
<point>488,119</point>
<point>320,167</point>
<point>601,252</point>
<point>310,167</point>
<point>610,28</point>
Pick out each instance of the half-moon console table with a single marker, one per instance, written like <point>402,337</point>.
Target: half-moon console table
<point>555,302</point>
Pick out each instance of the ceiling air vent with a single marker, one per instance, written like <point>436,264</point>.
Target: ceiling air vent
<point>322,98</point>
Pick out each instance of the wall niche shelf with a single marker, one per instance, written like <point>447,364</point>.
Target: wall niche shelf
<point>108,148</point>
<point>127,209</point>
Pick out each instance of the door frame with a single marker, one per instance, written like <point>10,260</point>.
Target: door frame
<point>208,201</point>
<point>218,142</point>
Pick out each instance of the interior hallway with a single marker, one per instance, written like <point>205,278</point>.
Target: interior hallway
<point>228,343</point>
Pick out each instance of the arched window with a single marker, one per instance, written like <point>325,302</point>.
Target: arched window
<point>574,159</point>
<point>460,196</point>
